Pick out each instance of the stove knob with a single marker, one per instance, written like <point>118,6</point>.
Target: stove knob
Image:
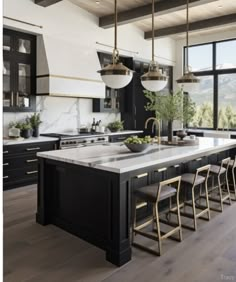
<point>101,139</point>
<point>74,142</point>
<point>84,141</point>
<point>92,141</point>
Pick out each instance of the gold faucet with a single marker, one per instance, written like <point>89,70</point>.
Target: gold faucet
<point>157,122</point>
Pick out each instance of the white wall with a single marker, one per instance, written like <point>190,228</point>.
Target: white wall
<point>67,24</point>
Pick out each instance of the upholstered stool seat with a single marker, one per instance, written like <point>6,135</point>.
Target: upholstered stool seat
<point>190,178</point>
<point>149,193</point>
<point>216,169</point>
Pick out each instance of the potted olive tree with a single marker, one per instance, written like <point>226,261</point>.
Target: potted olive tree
<point>169,107</point>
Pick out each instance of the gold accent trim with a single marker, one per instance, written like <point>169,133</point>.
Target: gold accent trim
<point>66,95</point>
<point>69,77</point>
<point>141,175</point>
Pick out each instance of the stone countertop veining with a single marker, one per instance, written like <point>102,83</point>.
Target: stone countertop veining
<point>39,139</point>
<point>118,159</point>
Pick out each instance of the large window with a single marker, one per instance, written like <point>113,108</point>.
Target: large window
<point>215,64</point>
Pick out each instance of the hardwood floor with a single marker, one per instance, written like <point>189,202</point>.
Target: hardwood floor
<point>36,253</point>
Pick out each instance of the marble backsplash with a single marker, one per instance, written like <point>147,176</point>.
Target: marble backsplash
<point>61,114</point>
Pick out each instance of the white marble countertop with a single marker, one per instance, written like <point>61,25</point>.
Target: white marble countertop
<point>117,158</point>
<point>10,141</point>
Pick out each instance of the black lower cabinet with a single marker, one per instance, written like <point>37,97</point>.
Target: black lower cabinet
<point>20,163</point>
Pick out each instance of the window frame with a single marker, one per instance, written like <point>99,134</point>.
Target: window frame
<point>215,73</point>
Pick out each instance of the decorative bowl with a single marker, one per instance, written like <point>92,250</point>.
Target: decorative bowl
<point>181,134</point>
<point>137,147</point>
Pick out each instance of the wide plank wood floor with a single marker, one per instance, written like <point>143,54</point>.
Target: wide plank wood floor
<point>36,253</point>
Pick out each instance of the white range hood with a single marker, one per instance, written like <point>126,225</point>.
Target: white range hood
<point>66,69</point>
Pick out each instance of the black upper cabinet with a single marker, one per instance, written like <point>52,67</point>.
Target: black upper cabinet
<point>19,71</point>
<point>133,113</point>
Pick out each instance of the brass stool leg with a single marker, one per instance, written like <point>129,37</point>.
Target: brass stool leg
<point>220,192</point>
<point>234,183</point>
<point>179,218</point>
<point>227,186</point>
<point>158,229</point>
<point>194,209</point>
<point>207,201</point>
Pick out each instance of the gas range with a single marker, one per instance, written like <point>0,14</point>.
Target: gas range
<point>75,140</point>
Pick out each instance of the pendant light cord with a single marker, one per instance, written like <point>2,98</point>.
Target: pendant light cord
<point>187,41</point>
<point>115,51</point>
<point>153,31</point>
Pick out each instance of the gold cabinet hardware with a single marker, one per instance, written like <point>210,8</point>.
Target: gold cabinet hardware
<point>17,99</point>
<point>177,165</point>
<point>199,159</point>
<point>5,177</point>
<point>12,99</point>
<point>5,164</point>
<point>161,169</point>
<point>141,205</point>
<point>31,172</point>
<point>32,161</point>
<point>141,175</point>
<point>33,149</point>
<point>5,152</point>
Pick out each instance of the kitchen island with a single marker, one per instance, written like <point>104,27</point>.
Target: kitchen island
<point>87,191</point>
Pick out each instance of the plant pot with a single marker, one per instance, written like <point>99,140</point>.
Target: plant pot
<point>170,131</point>
<point>36,131</point>
<point>26,133</point>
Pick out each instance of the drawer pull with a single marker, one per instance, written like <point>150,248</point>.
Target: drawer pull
<point>141,175</point>
<point>176,165</point>
<point>5,152</point>
<point>32,161</point>
<point>31,172</point>
<point>141,205</point>
<point>33,149</point>
<point>6,164</point>
<point>5,177</point>
<point>161,169</point>
<point>199,159</point>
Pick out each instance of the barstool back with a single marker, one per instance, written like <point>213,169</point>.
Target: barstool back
<point>169,182</point>
<point>202,170</point>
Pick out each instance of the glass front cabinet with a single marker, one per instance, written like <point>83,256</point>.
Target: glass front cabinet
<point>19,71</point>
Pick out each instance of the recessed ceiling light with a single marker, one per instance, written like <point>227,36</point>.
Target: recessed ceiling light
<point>97,2</point>
<point>220,7</point>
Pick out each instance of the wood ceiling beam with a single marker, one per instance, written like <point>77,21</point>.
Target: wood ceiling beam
<point>46,3</point>
<point>144,12</point>
<point>199,25</point>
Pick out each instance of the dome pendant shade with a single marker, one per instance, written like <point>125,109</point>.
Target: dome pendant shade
<point>116,75</point>
<point>154,80</point>
<point>188,82</point>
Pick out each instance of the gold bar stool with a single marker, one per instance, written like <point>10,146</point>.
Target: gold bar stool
<point>154,194</point>
<point>220,171</point>
<point>192,181</point>
<point>232,169</point>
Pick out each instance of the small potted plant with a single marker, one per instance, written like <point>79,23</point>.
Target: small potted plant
<point>115,126</point>
<point>35,121</point>
<point>26,130</point>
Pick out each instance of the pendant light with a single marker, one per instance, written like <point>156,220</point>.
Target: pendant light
<point>116,75</point>
<point>153,80</point>
<point>188,82</point>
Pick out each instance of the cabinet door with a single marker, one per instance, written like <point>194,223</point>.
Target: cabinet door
<point>19,71</point>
